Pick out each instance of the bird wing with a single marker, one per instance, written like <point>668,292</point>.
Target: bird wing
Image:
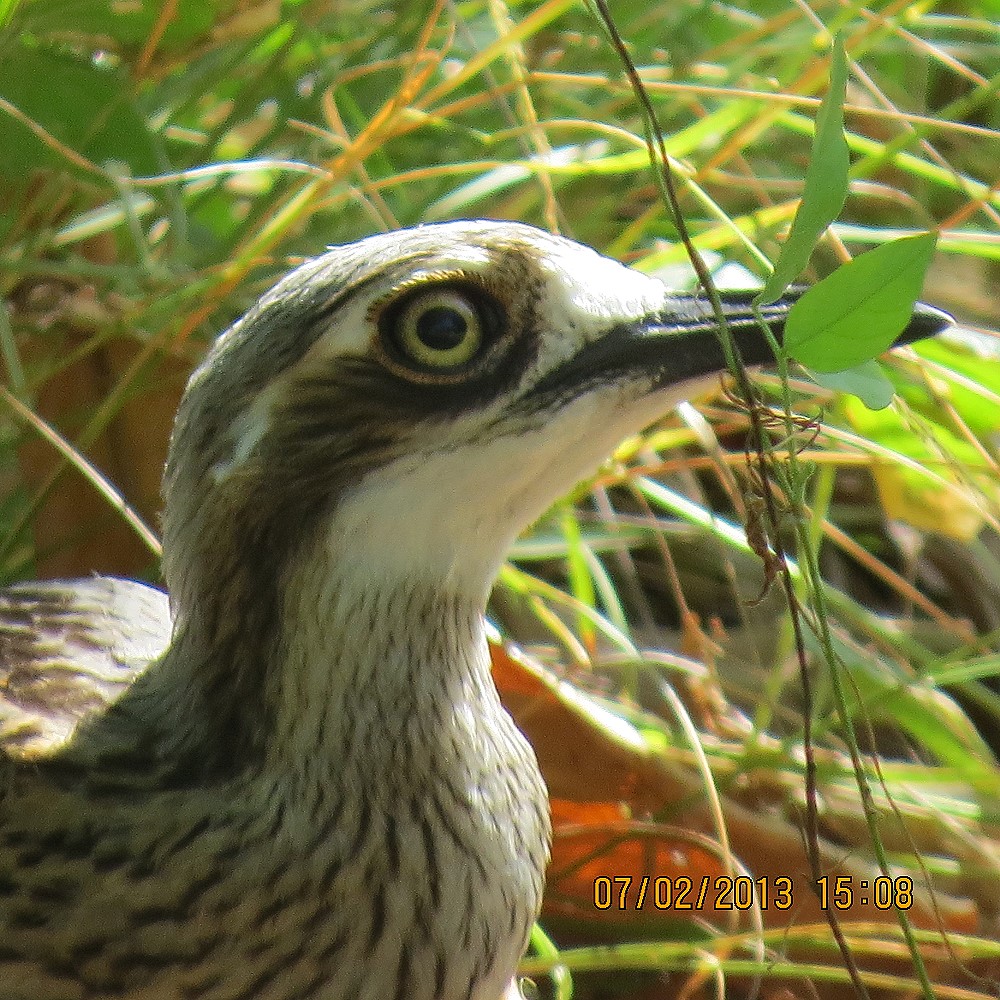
<point>68,649</point>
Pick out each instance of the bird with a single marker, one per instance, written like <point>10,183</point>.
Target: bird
<point>290,775</point>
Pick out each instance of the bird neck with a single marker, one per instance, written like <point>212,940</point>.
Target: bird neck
<point>378,672</point>
<point>337,652</point>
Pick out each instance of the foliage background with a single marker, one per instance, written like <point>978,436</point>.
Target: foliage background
<point>161,165</point>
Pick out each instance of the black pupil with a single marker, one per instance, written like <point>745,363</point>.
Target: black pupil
<point>441,328</point>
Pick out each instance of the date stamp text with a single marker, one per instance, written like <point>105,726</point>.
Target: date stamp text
<point>741,892</point>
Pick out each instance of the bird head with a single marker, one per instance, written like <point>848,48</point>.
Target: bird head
<point>417,398</point>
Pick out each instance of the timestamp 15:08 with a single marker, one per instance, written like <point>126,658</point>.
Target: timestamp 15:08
<point>841,892</point>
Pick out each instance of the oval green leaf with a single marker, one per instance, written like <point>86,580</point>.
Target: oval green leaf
<point>858,311</point>
<point>825,189</point>
<point>867,381</point>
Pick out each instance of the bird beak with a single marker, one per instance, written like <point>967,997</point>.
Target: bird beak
<point>682,342</point>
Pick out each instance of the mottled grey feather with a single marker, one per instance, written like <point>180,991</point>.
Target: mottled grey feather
<point>68,649</point>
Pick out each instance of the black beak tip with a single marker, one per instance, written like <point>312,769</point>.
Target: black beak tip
<point>926,321</point>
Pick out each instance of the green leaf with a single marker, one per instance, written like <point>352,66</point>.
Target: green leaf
<point>825,186</point>
<point>858,311</point>
<point>83,106</point>
<point>129,23</point>
<point>867,381</point>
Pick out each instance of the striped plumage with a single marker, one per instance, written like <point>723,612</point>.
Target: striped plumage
<point>313,791</point>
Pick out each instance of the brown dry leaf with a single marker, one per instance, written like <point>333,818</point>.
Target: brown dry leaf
<point>620,870</point>
<point>577,747</point>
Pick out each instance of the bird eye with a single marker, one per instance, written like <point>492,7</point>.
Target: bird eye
<point>439,328</point>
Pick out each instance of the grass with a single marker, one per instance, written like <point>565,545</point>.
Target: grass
<point>181,158</point>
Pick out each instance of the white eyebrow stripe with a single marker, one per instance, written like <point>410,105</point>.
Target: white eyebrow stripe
<point>247,430</point>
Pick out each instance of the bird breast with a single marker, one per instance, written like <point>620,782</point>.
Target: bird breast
<point>391,844</point>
